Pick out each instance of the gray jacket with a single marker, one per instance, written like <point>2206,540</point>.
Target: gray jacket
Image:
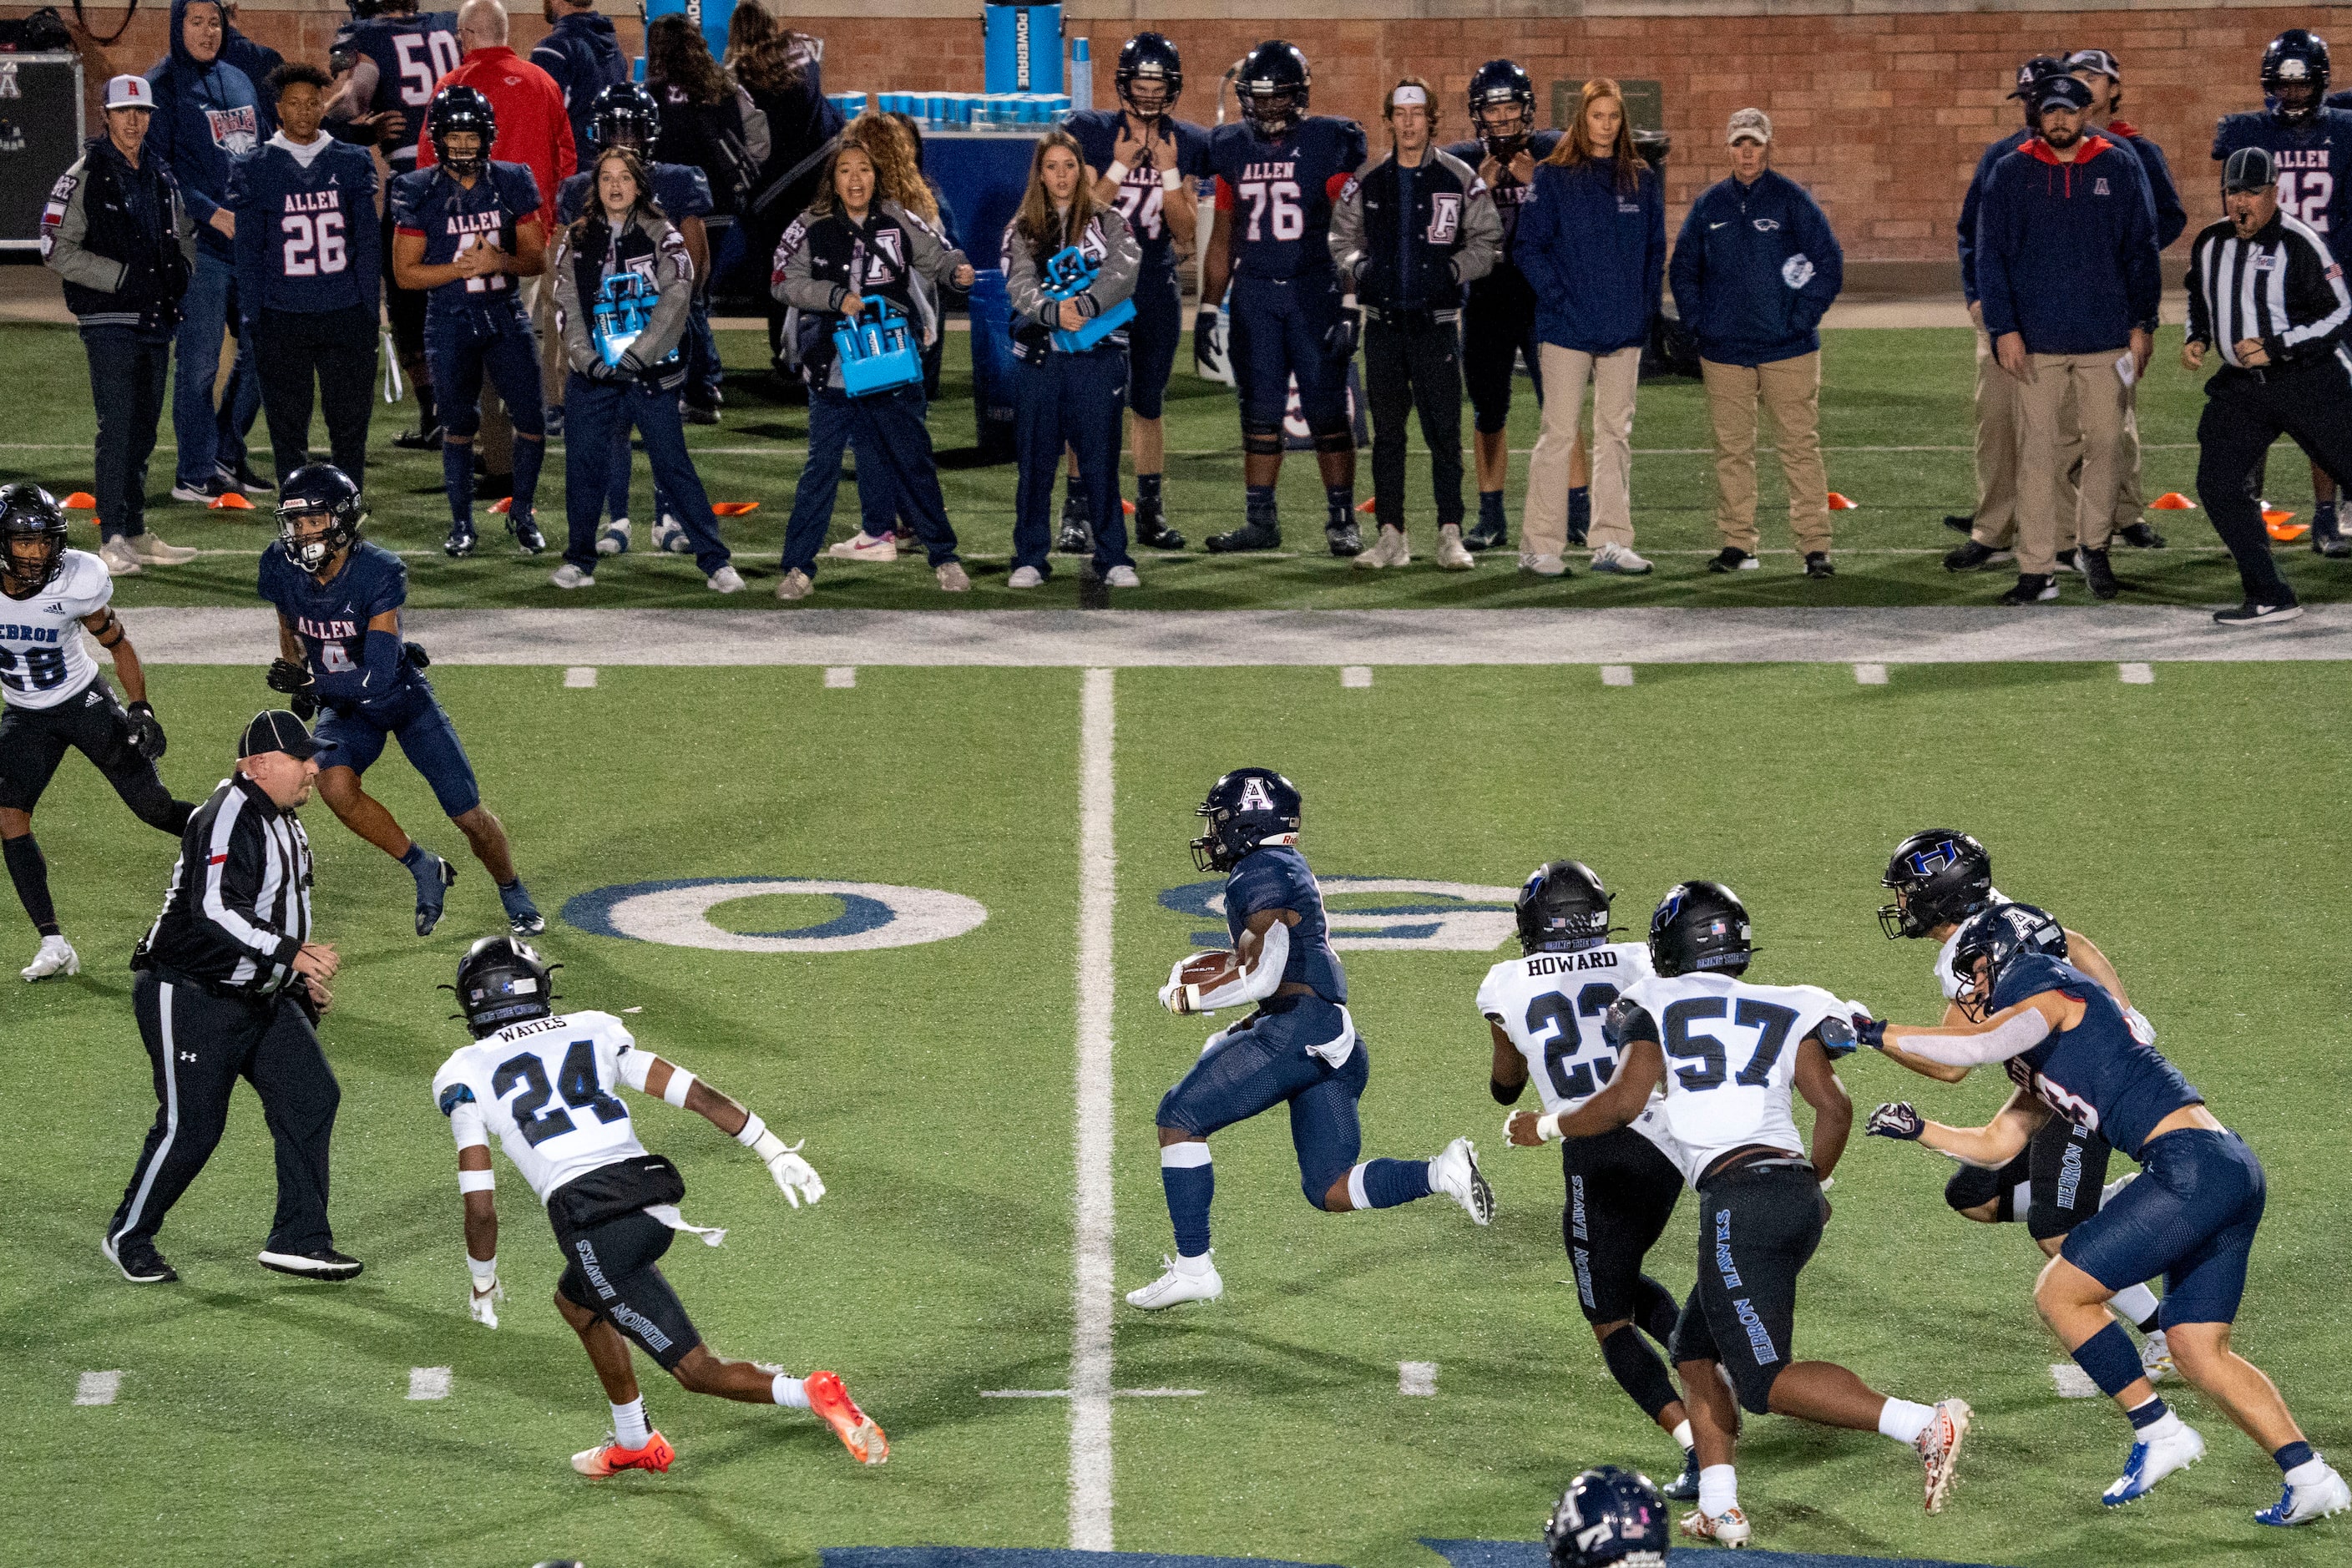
<point>1107,240</point>
<point>646,242</point>
<point>1458,233</point>
<point>96,283</point>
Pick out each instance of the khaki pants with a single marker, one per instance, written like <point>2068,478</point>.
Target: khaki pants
<point>2046,501</point>
<point>1790,393</point>
<point>1996,515</point>
<point>1614,377</point>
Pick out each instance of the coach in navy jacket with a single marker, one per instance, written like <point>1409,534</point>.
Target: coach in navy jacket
<point>583,56</point>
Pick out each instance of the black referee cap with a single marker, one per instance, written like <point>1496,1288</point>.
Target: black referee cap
<point>276,730</point>
<point>2249,169</point>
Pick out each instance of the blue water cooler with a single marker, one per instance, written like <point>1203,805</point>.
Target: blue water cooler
<point>993,365</point>
<point>1024,48</point>
<point>710,16</point>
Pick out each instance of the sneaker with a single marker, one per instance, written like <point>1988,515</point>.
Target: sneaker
<point>2093,564</point>
<point>2068,563</point>
<point>245,478</point>
<point>2331,545</point>
<point>121,560</point>
<point>1250,535</point>
<point>1178,1284</point>
<point>527,536</point>
<point>1074,538</point>
<point>2313,1499</point>
<point>1619,560</point>
<point>1455,1174</point>
<point>1731,558</point>
<point>855,1428</point>
<point>668,536</point>
<point>1025,577</point>
<point>952,577</point>
<point>203,494</point>
<point>1389,549</point>
<point>419,440</point>
<point>324,1264</point>
<point>2156,1358</point>
<point>794,584</point>
<point>608,1458</point>
<point>57,957</point>
<point>433,891</point>
<point>1960,525</point>
<point>152,552</point>
<point>2031,589</point>
<point>461,541</point>
<point>570,576</point>
<point>1818,566</point>
<point>2250,614</point>
<point>1453,555</point>
<point>2151,1462</point>
<point>139,1262</point>
<point>1975,557</point>
<point>698,414</point>
<point>1939,1449</point>
<point>1544,565</point>
<point>1122,576</point>
<point>1728,1528</point>
<point>613,539</point>
<point>1486,536</point>
<point>1151,530</point>
<point>1684,1486</point>
<point>2140,536</point>
<point>1346,540</point>
<point>726,580</point>
<point>866,547</point>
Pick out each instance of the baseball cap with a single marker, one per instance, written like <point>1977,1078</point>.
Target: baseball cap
<point>2063,90</point>
<point>1749,125</point>
<point>276,730</point>
<point>2249,169</point>
<point>130,92</point>
<point>2097,61</point>
<point>2033,72</point>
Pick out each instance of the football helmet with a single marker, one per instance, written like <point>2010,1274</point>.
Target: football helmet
<point>310,490</point>
<point>458,108</point>
<point>1996,936</point>
<point>2030,78</point>
<point>624,115</point>
<point>1608,1518</point>
<point>1273,84</point>
<point>2296,58</point>
<point>1245,809</point>
<point>1145,62</point>
<point>1699,926</point>
<point>1562,908</point>
<point>33,533</point>
<point>502,980</point>
<point>1944,876</point>
<point>1502,107</point>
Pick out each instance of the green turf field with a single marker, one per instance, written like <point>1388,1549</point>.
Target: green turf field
<point>1896,417</point>
<point>262,1421</point>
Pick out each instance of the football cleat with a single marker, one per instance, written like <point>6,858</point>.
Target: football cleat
<point>2314,1499</point>
<point>432,891</point>
<point>1176,1285</point>
<point>1455,1174</point>
<point>2151,1462</point>
<point>1254,534</point>
<point>2156,1358</point>
<point>1939,1449</point>
<point>461,541</point>
<point>56,955</point>
<point>527,536</point>
<point>1344,539</point>
<point>669,538</point>
<point>1151,530</point>
<point>522,916</point>
<point>609,1459</point>
<point>615,538</point>
<point>1074,538</point>
<point>852,1426</point>
<point>1684,1486</point>
<point>1728,1528</point>
<point>1486,535</point>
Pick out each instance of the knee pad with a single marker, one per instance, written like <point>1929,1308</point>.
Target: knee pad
<point>1638,1371</point>
<point>1973,1188</point>
<point>1337,439</point>
<point>1753,1385</point>
<point>1261,440</point>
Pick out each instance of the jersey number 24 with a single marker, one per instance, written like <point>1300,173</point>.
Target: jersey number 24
<point>577,1081</point>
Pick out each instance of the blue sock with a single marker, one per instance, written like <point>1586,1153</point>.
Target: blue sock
<point>416,859</point>
<point>1340,501</point>
<point>527,457</point>
<point>2295,1453</point>
<point>1490,509</point>
<point>1074,491</point>
<point>1387,1183</point>
<point>1580,508</point>
<point>2143,1417</point>
<point>2113,1363</point>
<point>2323,517</point>
<point>1191,1182</point>
<point>514,899</point>
<point>457,478</point>
<point>1260,502</point>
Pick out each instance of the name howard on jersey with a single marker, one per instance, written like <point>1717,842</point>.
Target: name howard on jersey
<point>1543,964</point>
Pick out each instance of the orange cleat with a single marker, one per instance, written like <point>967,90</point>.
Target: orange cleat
<point>852,1426</point>
<point>609,1457</point>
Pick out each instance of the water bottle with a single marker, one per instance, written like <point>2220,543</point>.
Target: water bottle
<point>1081,75</point>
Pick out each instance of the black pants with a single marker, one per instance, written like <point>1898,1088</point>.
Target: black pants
<point>34,740</point>
<point>1414,362</point>
<point>1757,1227</point>
<point>199,1045</point>
<point>127,373</point>
<point>336,348</point>
<point>613,1249</point>
<point>2061,1169</point>
<point>1620,1193</point>
<point>2246,411</point>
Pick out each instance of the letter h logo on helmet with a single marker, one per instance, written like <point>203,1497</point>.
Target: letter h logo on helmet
<point>1926,863</point>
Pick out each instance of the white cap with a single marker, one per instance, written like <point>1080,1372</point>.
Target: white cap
<point>130,92</point>
<point>1749,125</point>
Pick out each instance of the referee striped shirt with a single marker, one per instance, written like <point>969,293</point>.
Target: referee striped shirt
<point>239,909</point>
<point>2280,288</point>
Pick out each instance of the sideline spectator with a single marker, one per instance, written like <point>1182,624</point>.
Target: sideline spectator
<point>711,123</point>
<point>783,71</point>
<point>583,58</point>
<point>257,61</point>
<point>116,232</point>
<point>1592,242</point>
<point>1754,270</point>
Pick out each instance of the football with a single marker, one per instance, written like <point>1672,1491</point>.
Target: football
<point>1210,970</point>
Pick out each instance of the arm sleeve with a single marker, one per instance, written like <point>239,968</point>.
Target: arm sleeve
<point>232,874</point>
<point>1260,980</point>
<point>1482,231</point>
<point>1688,266</point>
<point>64,223</point>
<point>1347,230</point>
<point>2013,1037</point>
<point>673,274</point>
<point>2200,311</point>
<point>466,1125</point>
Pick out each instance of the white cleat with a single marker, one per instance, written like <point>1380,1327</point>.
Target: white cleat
<point>2156,1358</point>
<point>1179,1285</point>
<point>2151,1462</point>
<point>613,539</point>
<point>2314,1499</point>
<point>1939,1449</point>
<point>56,954</point>
<point>1728,1528</point>
<point>1453,555</point>
<point>1455,1174</point>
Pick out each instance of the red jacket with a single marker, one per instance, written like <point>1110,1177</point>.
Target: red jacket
<point>533,128</point>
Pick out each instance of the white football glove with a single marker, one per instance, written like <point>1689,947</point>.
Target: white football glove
<point>794,1175</point>
<point>482,1305</point>
<point>1172,995</point>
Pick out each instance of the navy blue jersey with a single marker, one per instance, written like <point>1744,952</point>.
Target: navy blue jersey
<point>1275,877</point>
<point>680,190</point>
<point>430,201</point>
<point>1280,193</point>
<point>1140,194</point>
<point>2315,162</point>
<point>2095,1075</point>
<point>331,619</point>
<point>410,54</point>
<point>1508,193</point>
<point>307,238</point>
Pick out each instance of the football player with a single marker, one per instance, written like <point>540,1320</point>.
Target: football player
<point>613,1207</point>
<point>1144,160</point>
<point>2313,145</point>
<point>52,697</point>
<point>1296,1046</point>
<point>1606,1516</point>
<point>2064,1042</point>
<point>1939,878</point>
<point>341,657</point>
<point>1277,173</point>
<point>1544,1010</point>
<point>1739,1049</point>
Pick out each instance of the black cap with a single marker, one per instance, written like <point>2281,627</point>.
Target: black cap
<point>2039,69</point>
<point>2249,169</point>
<point>2063,90</point>
<point>276,730</point>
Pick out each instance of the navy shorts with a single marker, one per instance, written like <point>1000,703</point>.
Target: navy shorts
<point>1498,329</point>
<point>1151,340</point>
<point>612,1269</point>
<point>1278,333</point>
<point>349,738</point>
<point>2190,1217</point>
<point>1263,1061</point>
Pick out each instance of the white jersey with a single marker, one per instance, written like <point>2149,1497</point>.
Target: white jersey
<point>1551,1006</point>
<point>44,656</point>
<point>1731,1059</point>
<point>545,1087</point>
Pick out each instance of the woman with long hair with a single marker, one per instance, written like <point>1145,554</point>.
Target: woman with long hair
<point>623,284</point>
<point>1592,242</point>
<point>1067,398</point>
<point>783,73</point>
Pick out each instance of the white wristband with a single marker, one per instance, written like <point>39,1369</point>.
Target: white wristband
<point>769,1146</point>
<point>486,1271</point>
<point>476,1181</point>
<point>1116,174</point>
<point>1171,180</point>
<point>680,1080</point>
<point>754,1129</point>
<point>1548,1127</point>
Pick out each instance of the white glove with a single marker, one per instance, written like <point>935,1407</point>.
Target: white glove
<point>1172,995</point>
<point>482,1305</point>
<point>796,1177</point>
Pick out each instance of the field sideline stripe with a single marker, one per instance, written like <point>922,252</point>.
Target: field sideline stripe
<point>1091,1341</point>
<point>1107,639</point>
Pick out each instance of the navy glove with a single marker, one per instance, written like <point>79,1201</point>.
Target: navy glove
<point>288,676</point>
<point>1340,338</point>
<point>146,732</point>
<point>1205,337</point>
<point>418,658</point>
<point>1896,1121</point>
<point>1870,1031</point>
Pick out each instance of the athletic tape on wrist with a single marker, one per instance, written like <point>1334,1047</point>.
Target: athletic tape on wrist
<point>1548,1127</point>
<point>485,1271</point>
<point>1171,180</point>
<point>475,1182</point>
<point>680,1080</point>
<point>753,1129</point>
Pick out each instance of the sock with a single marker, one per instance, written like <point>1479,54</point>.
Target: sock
<point>1655,1311</point>
<point>514,899</point>
<point>1197,1264</point>
<point>424,865</point>
<point>2137,1305</point>
<point>1719,1491</point>
<point>1146,487</point>
<point>1191,1182</point>
<point>1074,492</point>
<point>457,480</point>
<point>2323,516</point>
<point>428,417</point>
<point>790,1391</point>
<point>629,1428</point>
<point>1580,507</point>
<point>529,456</point>
<point>30,871</point>
<point>2153,1421</point>
<point>1387,1183</point>
<point>1260,502</point>
<point>1490,510</point>
<point>2294,1457</point>
<point>2110,1359</point>
<point>1683,1436</point>
<point>1339,500</point>
<point>1638,1371</point>
<point>1904,1420</point>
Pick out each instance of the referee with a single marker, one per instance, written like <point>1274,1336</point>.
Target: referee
<point>229,984</point>
<point>2263,291</point>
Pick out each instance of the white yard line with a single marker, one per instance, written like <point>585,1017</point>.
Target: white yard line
<point>1090,1347</point>
<point>1417,1378</point>
<point>428,1382</point>
<point>97,1388</point>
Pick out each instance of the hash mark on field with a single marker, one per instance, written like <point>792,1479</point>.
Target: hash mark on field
<point>1355,676</point>
<point>2135,674</point>
<point>97,1388</point>
<point>579,677</point>
<point>841,677</point>
<point>2073,1381</point>
<point>1120,1392</point>
<point>1870,675</point>
<point>428,1382</point>
<point>1616,675</point>
<point>1417,1378</point>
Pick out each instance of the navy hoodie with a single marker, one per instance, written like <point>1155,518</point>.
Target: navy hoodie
<point>1754,269</point>
<point>581,53</point>
<point>1593,255</point>
<point>206,118</point>
<point>2066,252</point>
<point>257,61</point>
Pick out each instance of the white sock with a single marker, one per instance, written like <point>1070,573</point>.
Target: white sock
<point>629,1423</point>
<point>1683,1436</point>
<point>2167,1424</point>
<point>1903,1420</point>
<point>2134,1304</point>
<point>790,1391</point>
<point>1719,1491</point>
<point>2309,1473</point>
<point>1194,1267</point>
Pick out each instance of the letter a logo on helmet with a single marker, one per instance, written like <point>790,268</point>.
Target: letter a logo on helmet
<point>1254,797</point>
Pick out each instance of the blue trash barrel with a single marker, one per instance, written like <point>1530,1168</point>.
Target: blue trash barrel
<point>993,365</point>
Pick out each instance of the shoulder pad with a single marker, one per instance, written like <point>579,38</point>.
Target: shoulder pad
<point>1836,1036</point>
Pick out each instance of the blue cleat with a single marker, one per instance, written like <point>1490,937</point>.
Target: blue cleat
<point>2313,1499</point>
<point>2151,1462</point>
<point>461,541</point>
<point>1684,1486</point>
<point>522,916</point>
<point>434,879</point>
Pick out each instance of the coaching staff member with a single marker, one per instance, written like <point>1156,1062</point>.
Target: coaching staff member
<point>229,984</point>
<point>2263,291</point>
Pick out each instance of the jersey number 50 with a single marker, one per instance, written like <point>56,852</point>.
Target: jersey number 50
<point>1281,196</point>
<point>425,58</point>
<point>314,245</point>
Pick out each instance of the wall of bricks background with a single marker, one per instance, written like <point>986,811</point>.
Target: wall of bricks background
<point>1882,116</point>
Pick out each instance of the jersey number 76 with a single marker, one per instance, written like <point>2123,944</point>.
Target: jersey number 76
<point>1278,198</point>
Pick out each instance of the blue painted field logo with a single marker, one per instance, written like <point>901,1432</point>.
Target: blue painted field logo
<point>870,914</point>
<point>1380,914</point>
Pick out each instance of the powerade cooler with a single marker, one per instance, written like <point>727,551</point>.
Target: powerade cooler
<point>1024,48</point>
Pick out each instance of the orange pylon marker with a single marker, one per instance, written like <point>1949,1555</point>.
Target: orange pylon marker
<point>733,508</point>
<point>81,500</point>
<point>1840,503</point>
<point>230,502</point>
<point>2172,500</point>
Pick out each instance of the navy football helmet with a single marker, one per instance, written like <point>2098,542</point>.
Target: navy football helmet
<point>1273,84</point>
<point>501,981</point>
<point>1147,62</point>
<point>2296,58</point>
<point>1502,107</point>
<point>624,115</point>
<point>1562,908</point>
<point>1246,808</point>
<point>1699,926</point>
<point>458,108</point>
<point>313,490</point>
<point>1944,877</point>
<point>2030,78</point>
<point>1996,936</point>
<point>33,533</point>
<point>1608,1518</point>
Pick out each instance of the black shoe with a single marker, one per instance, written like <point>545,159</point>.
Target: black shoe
<point>2334,547</point>
<point>1818,567</point>
<point>1732,558</point>
<point>1975,557</point>
<point>527,537</point>
<point>1486,536</point>
<point>1960,525</point>
<point>2250,614</point>
<point>205,494</point>
<point>245,478</point>
<point>2033,588</point>
<point>1344,539</point>
<point>419,440</point>
<point>2067,562</point>
<point>324,1264</point>
<point>1075,539</point>
<point>698,413</point>
<point>1684,1486</point>
<point>1255,534</point>
<point>2098,574</point>
<point>460,543</point>
<point>2140,536</point>
<point>139,1262</point>
<point>1151,530</point>
<point>488,485</point>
